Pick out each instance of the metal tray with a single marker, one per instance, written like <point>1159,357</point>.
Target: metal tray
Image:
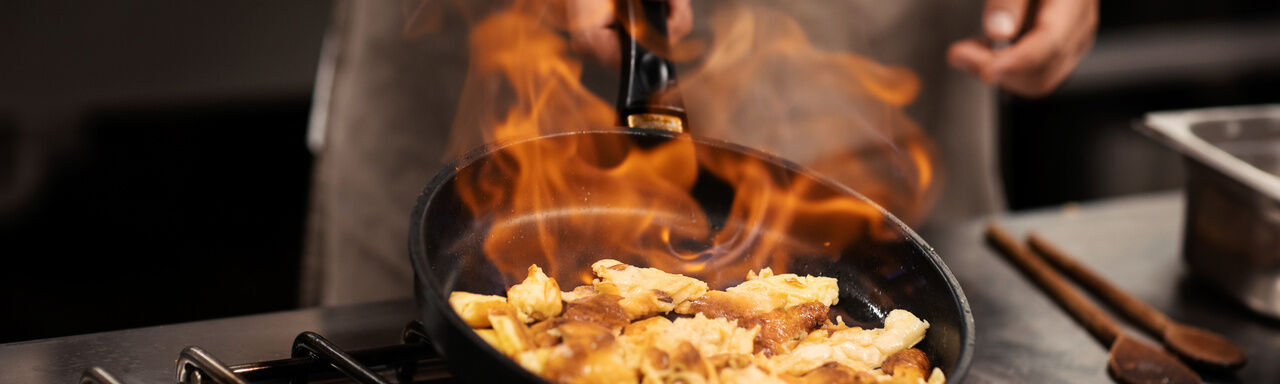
<point>1232,231</point>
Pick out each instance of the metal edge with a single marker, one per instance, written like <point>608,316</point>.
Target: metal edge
<point>968,338</point>
<point>1174,129</point>
<point>417,256</point>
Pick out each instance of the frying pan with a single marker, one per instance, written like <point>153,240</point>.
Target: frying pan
<point>876,274</point>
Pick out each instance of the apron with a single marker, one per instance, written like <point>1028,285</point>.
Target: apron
<point>387,91</point>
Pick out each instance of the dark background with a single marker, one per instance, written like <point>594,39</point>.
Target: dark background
<point>1078,143</point>
<point>153,161</point>
<point>154,168</point>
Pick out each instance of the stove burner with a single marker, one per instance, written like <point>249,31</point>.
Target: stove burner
<point>413,361</point>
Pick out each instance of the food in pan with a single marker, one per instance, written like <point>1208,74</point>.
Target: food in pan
<point>643,325</point>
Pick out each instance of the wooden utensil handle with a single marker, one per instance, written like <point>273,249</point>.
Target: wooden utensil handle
<point>1134,309</point>
<point>1102,326</point>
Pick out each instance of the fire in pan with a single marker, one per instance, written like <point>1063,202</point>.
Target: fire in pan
<point>651,195</point>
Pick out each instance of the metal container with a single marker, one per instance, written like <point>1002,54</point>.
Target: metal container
<point>1232,231</point>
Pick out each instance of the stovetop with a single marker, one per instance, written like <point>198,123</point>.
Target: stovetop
<point>1021,335</point>
<point>150,355</point>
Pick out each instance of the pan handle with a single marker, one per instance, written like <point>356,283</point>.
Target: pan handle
<point>647,96</point>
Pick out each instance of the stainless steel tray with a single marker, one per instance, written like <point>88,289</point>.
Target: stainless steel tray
<point>1232,232</point>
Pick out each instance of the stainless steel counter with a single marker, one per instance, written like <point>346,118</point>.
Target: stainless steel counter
<point>1022,335</point>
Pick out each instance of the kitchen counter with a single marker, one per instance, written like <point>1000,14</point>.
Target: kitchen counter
<point>1135,242</point>
<point>1022,335</point>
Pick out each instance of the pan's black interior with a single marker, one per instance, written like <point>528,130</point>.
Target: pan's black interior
<point>876,275</point>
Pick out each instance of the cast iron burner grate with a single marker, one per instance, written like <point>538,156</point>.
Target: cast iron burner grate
<point>314,359</point>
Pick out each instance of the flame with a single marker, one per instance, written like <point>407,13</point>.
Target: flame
<point>765,85</point>
<point>567,201</point>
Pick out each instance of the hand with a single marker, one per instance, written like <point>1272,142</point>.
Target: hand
<point>1061,32</point>
<point>590,34</point>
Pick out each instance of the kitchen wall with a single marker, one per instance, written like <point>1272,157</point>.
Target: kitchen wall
<point>153,162</point>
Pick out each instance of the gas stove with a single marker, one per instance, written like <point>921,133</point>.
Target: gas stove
<point>364,343</point>
<point>312,357</point>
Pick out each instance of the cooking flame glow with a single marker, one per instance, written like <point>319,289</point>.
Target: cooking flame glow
<point>566,202</point>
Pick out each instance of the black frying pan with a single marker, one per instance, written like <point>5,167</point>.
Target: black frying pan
<point>892,270</point>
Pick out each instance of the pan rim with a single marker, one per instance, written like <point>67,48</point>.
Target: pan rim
<point>417,250</point>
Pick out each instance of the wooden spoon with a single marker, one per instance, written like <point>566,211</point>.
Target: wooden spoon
<point>1197,346</point>
<point>1129,360</point>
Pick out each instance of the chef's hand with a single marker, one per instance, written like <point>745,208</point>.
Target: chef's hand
<point>590,34</point>
<point>1061,32</point>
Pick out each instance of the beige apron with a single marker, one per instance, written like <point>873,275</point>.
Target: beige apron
<point>386,96</point>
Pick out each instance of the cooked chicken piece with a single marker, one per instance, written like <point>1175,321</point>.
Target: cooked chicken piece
<point>488,335</point>
<point>649,325</point>
<point>790,289</point>
<point>578,293</point>
<point>682,364</point>
<point>603,309</point>
<point>534,360</point>
<point>474,309</point>
<point>748,375</point>
<point>784,306</point>
<point>766,272</point>
<point>808,356</point>
<point>771,329</point>
<point>936,377</point>
<point>732,361</point>
<point>901,331</point>
<point>777,326</point>
<point>853,347</point>
<point>836,374</point>
<point>645,291</point>
<point>585,336</point>
<point>545,333</point>
<point>857,348</point>
<point>784,325</point>
<point>589,354</point>
<point>537,298</point>
<point>511,336</point>
<point>561,364</point>
<point>733,305</point>
<point>686,350</point>
<point>712,337</point>
<point>907,364</point>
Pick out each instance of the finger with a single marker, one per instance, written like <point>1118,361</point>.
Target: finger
<point>1001,19</point>
<point>589,32</point>
<point>1026,68</point>
<point>1072,21</point>
<point>600,45</point>
<point>590,35</point>
<point>1031,51</point>
<point>1045,56</point>
<point>679,19</point>
<point>970,56</point>
<point>589,14</point>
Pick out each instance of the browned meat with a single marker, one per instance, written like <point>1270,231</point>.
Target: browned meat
<point>602,309</point>
<point>776,327</point>
<point>833,373</point>
<point>907,363</point>
<point>785,324</point>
